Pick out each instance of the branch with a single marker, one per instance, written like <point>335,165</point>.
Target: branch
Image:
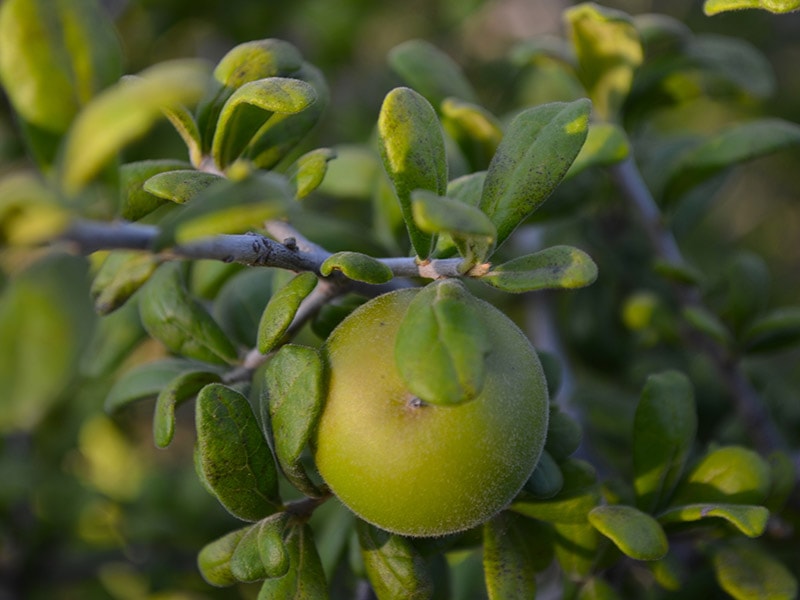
<point>749,407</point>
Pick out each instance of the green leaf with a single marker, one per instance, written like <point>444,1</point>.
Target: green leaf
<point>731,146</point>
<point>776,330</point>
<point>234,458</point>
<point>609,51</point>
<point>295,383</point>
<point>135,202</point>
<point>606,144</point>
<point>507,565</point>
<point>240,303</point>
<point>146,381</point>
<point>576,548</point>
<point>172,316</point>
<point>261,553</point>
<point>305,579</point>
<point>466,189</point>
<point>357,266</point>
<point>181,388</point>
<point>442,344</point>
<point>394,567</point>
<point>113,339</point>
<point>412,149</point>
<point>730,474</point>
<point>227,207</point>
<point>538,148</point>
<point>183,122</point>
<point>557,267</point>
<point>45,322</point>
<point>124,112</point>
<point>664,430</point>
<point>564,434</point>
<point>471,230</point>
<point>245,62</point>
<point>637,534</point>
<point>476,131</point>
<point>30,213</point>
<point>122,273</point>
<point>307,172</point>
<point>784,478</point>
<point>713,7</point>
<point>54,57</point>
<point>179,186</point>
<point>250,107</point>
<point>707,323</point>
<point>546,480</point>
<point>281,309</point>
<point>750,520</point>
<point>597,589</point>
<point>745,571</point>
<point>214,560</point>
<point>283,132</point>
<point>744,273</point>
<point>430,71</point>
<point>578,496</point>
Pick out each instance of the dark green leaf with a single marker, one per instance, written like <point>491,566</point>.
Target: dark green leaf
<point>745,571</point>
<point>776,330</point>
<point>471,230</point>
<point>179,186</point>
<point>54,56</point>
<point>357,266</point>
<point>240,303</point>
<point>123,113</point>
<point>45,322</point>
<point>146,381</point>
<point>713,7</point>
<point>394,567</point>
<point>597,589</point>
<point>122,273</point>
<point>305,579</point>
<point>261,553</point>
<point>442,344</point>
<point>733,61</point>
<point>181,388</point>
<point>744,273</point>
<point>281,309</point>
<point>579,495</point>
<point>784,479</point>
<point>557,267</point>
<point>707,323</point>
<point>730,474</point>
<point>750,520</point>
<point>538,148</point>
<point>609,51</point>
<point>564,434</point>
<point>172,316</point>
<point>736,144</point>
<point>430,71</point>
<point>135,202</point>
<point>308,171</point>
<point>250,107</point>
<point>664,430</point>
<point>412,148</point>
<point>637,534</point>
<point>507,565</point>
<point>295,383</point>
<point>214,560</point>
<point>606,144</point>
<point>476,131</point>
<point>576,546</point>
<point>113,339</point>
<point>546,480</point>
<point>234,458</point>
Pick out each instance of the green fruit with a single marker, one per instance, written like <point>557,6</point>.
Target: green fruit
<point>420,469</point>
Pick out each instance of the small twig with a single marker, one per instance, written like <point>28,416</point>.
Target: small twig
<point>749,406</point>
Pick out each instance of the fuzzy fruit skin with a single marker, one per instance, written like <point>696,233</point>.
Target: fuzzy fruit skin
<point>427,470</point>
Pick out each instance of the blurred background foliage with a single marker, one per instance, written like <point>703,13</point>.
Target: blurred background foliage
<point>89,508</point>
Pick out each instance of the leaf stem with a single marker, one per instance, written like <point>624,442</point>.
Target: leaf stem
<point>749,406</point>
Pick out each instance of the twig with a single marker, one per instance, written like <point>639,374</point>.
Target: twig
<point>748,405</point>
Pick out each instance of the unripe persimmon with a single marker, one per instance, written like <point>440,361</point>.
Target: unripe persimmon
<point>417,468</point>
